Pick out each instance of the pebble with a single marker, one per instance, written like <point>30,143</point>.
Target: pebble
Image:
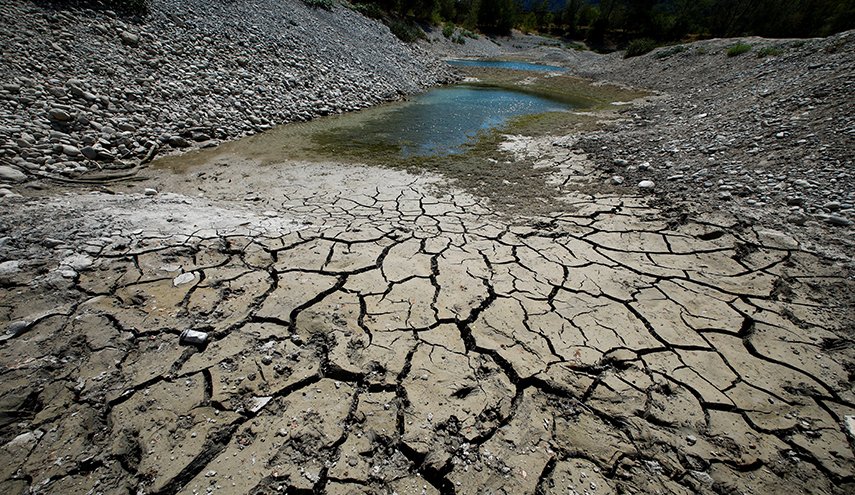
<point>617,180</point>
<point>150,192</point>
<point>797,218</point>
<point>646,184</point>
<point>10,267</point>
<point>59,115</point>
<point>838,221</point>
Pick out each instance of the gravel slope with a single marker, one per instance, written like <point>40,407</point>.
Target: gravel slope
<point>84,90</point>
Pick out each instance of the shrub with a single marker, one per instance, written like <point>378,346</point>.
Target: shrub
<point>320,4</point>
<point>639,47</point>
<point>769,51</point>
<point>448,30</point>
<point>669,52</point>
<point>371,10</point>
<point>738,49</point>
<point>575,45</point>
<point>406,31</point>
<point>459,39</point>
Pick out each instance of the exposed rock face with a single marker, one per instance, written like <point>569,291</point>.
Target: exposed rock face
<point>192,73</point>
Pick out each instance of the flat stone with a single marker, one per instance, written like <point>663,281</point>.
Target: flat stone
<point>129,39</point>
<point>184,278</point>
<point>11,174</point>
<point>838,221</point>
<point>59,115</point>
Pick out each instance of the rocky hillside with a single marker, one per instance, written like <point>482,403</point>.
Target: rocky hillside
<point>772,126</point>
<point>85,90</point>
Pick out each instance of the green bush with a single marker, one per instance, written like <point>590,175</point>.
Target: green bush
<point>407,32</point>
<point>320,4</point>
<point>670,51</point>
<point>639,47</point>
<point>769,51</point>
<point>371,10</point>
<point>448,30</point>
<point>738,49</point>
<point>459,39</point>
<point>469,34</point>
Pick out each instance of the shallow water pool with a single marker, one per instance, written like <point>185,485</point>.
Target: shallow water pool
<point>501,64</point>
<point>441,121</point>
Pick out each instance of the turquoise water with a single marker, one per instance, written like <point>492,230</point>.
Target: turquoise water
<point>498,64</point>
<point>442,121</point>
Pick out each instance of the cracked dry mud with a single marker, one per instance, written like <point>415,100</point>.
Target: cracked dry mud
<point>372,333</point>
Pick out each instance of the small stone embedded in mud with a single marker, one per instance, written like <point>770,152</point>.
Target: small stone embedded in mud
<point>850,426</point>
<point>258,403</point>
<point>184,278</point>
<point>193,337</point>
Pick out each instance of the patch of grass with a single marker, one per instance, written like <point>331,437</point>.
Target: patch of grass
<point>371,10</point>
<point>738,49</point>
<point>448,30</point>
<point>575,45</point>
<point>320,4</point>
<point>408,32</point>
<point>578,92</point>
<point>769,51</point>
<point>459,39</point>
<point>469,34</point>
<point>670,52</point>
<point>639,47</point>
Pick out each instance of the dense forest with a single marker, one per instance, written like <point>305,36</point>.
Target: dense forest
<point>617,21</point>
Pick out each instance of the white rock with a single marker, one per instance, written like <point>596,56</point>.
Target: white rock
<point>646,184</point>
<point>77,262</point>
<point>258,403</point>
<point>850,425</point>
<point>149,191</point>
<point>10,267</point>
<point>617,180</point>
<point>184,278</point>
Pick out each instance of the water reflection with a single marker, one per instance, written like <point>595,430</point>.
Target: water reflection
<point>442,121</point>
<point>500,64</point>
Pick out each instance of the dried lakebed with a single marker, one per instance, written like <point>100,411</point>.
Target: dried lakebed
<point>378,331</point>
